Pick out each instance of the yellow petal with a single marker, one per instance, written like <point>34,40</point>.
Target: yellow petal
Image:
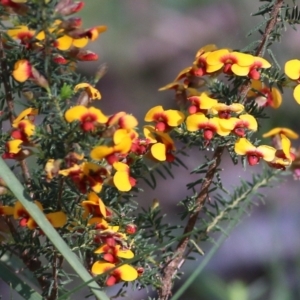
<point>277,98</point>
<point>100,267</point>
<point>14,146</point>
<point>158,151</point>
<point>124,253</point>
<point>286,146</point>
<point>64,42</point>
<point>149,133</point>
<point>57,219</point>
<point>127,273</point>
<point>121,181</point>
<point>292,69</point>
<point>75,113</point>
<point>242,146</point>
<point>193,121</point>
<point>239,70</point>
<point>101,118</point>
<point>80,43</point>
<point>100,152</point>
<point>22,70</point>
<point>252,123</point>
<point>268,152</point>
<point>282,130</point>
<point>175,117</point>
<point>214,57</point>
<point>151,113</point>
<point>296,93</point>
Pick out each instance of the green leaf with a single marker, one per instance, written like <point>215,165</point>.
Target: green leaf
<point>17,283</point>
<point>18,190</point>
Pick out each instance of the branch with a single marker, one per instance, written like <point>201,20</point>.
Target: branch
<point>177,260</point>
<point>261,47</point>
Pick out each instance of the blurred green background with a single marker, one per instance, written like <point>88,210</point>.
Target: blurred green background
<point>146,45</point>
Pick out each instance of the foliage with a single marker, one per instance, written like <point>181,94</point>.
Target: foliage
<point>77,199</point>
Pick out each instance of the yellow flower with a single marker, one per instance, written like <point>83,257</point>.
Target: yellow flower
<point>91,91</point>
<point>292,70</point>
<point>254,154</point>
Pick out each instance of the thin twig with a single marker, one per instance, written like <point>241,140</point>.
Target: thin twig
<point>261,47</point>
<point>176,261</point>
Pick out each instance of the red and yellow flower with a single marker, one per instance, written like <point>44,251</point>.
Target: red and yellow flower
<point>86,174</point>
<point>164,119</point>
<point>254,154</point>
<point>112,154</point>
<point>239,125</point>
<point>90,90</point>
<point>57,219</point>
<point>265,96</point>
<point>162,144</point>
<point>210,126</point>
<point>22,70</point>
<point>122,179</point>
<point>94,206</point>
<point>292,70</point>
<point>283,156</point>
<point>201,103</point>
<point>281,130</point>
<point>231,62</point>
<point>89,118</point>
<point>225,111</point>
<point>124,272</point>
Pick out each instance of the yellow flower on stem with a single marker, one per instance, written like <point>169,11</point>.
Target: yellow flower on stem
<point>91,91</point>
<point>229,61</point>
<point>89,118</point>
<point>124,272</point>
<point>111,252</point>
<point>252,70</point>
<point>211,126</point>
<point>283,156</point>
<point>292,70</point>
<point>281,130</point>
<point>57,219</point>
<point>122,120</point>
<point>240,124</point>
<point>122,179</point>
<point>27,114</point>
<point>162,144</point>
<point>113,153</point>
<point>225,111</point>
<point>24,130</point>
<point>263,95</point>
<point>200,63</point>
<point>65,42</point>
<point>22,70</point>
<point>94,206</point>
<point>93,33</point>
<point>86,174</point>
<point>254,154</point>
<point>164,119</point>
<point>23,215</point>
<point>201,103</point>
<point>13,150</point>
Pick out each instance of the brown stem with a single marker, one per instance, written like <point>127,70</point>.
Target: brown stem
<point>260,49</point>
<point>176,261</point>
<point>57,262</point>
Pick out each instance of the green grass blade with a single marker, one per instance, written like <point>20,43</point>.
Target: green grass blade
<point>17,284</point>
<point>18,190</point>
